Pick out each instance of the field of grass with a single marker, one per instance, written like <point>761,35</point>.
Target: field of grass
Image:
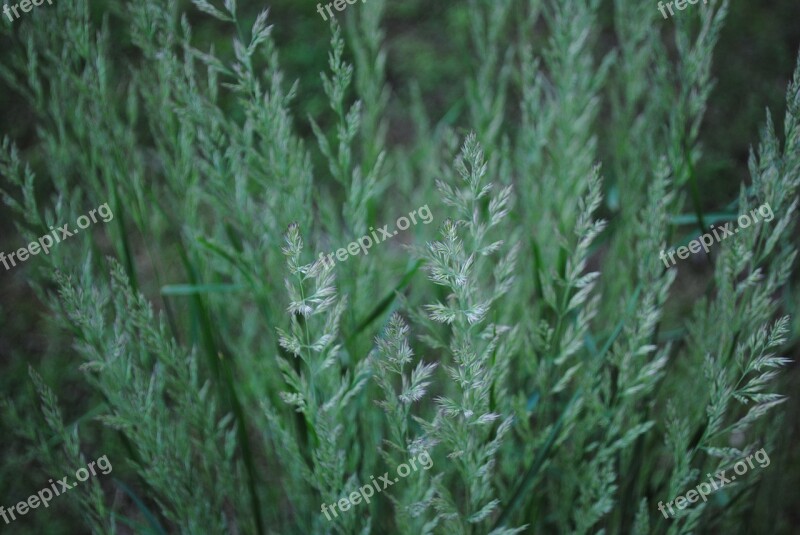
<point>522,334</point>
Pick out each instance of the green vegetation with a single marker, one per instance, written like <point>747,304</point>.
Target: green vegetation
<point>530,338</point>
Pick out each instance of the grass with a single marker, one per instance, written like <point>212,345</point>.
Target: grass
<point>531,340</point>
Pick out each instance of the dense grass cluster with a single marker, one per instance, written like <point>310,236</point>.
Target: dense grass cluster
<point>530,339</point>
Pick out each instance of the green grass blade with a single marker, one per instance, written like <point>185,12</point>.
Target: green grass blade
<point>224,378</point>
<point>195,289</point>
<point>152,521</point>
<point>386,302</point>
